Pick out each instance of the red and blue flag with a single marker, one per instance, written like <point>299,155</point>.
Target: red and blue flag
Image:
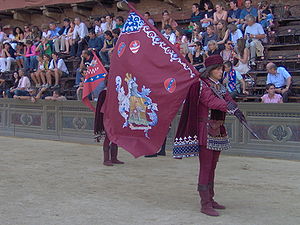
<point>95,77</point>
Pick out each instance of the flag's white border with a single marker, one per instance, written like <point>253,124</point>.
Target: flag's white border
<point>156,40</point>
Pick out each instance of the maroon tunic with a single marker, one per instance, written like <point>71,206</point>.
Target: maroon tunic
<point>202,120</point>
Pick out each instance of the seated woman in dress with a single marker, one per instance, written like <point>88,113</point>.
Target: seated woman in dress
<point>222,32</point>
<point>220,14</point>
<point>242,56</point>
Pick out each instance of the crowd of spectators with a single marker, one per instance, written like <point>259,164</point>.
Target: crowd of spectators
<point>37,54</point>
<point>237,34</point>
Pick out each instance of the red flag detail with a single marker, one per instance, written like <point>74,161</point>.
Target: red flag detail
<point>96,74</point>
<point>148,81</point>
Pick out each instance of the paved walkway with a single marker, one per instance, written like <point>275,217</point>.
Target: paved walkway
<point>48,182</point>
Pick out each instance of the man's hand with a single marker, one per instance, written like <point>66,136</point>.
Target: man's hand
<point>245,92</point>
<point>284,90</point>
<point>278,90</point>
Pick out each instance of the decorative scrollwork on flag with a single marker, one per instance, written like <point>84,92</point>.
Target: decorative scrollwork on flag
<point>156,40</point>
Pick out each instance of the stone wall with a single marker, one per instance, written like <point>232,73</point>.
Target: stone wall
<point>278,125</point>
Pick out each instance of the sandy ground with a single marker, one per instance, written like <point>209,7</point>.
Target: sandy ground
<point>51,183</point>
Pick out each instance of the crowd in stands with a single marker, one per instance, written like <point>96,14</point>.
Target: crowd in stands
<point>237,34</point>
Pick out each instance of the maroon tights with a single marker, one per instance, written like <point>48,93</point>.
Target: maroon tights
<point>107,143</point>
<point>208,161</point>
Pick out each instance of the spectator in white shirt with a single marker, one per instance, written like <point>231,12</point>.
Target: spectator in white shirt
<point>98,29</point>
<point>234,33</point>
<point>80,35</point>
<point>2,35</point>
<point>169,34</point>
<point>103,24</point>
<point>254,33</point>
<point>57,69</point>
<point>23,86</point>
<point>110,23</point>
<point>8,55</point>
<point>45,31</point>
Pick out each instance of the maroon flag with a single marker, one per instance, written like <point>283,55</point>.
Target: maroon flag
<point>148,81</point>
<point>96,74</point>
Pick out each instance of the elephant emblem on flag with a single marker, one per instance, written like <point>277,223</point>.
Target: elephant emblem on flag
<point>136,107</point>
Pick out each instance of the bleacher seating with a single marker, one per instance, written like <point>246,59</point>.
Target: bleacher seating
<point>283,51</point>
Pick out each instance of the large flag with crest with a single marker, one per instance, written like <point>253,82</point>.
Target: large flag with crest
<point>93,81</point>
<point>147,83</point>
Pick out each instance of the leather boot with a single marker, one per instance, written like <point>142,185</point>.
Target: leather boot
<point>215,205</point>
<point>206,204</point>
<point>114,154</point>
<point>106,154</point>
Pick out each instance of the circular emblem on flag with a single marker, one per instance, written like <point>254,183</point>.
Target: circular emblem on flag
<point>170,85</point>
<point>135,46</point>
<point>121,49</point>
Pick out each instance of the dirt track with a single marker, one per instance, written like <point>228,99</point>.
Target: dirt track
<point>47,183</point>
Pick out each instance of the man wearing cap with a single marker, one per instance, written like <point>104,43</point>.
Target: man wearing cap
<point>203,118</point>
